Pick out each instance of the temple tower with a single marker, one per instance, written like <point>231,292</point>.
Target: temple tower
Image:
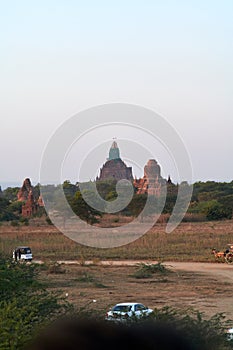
<point>115,168</point>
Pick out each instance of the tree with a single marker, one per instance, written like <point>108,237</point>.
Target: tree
<point>69,189</point>
<point>6,212</point>
<point>137,204</point>
<point>105,187</point>
<point>10,193</point>
<point>15,207</point>
<point>218,212</point>
<point>25,305</point>
<point>83,210</point>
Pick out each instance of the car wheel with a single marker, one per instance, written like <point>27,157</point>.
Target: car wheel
<point>229,258</point>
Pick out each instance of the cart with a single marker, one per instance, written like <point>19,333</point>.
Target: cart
<point>229,254</point>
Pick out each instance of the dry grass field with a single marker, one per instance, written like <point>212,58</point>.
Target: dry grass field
<point>189,242</point>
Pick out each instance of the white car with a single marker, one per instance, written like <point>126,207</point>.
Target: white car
<point>22,254</point>
<point>124,311</point>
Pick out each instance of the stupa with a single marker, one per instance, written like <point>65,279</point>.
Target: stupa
<point>114,168</point>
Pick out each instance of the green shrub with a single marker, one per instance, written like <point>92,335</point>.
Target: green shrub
<point>147,270</point>
<point>25,305</point>
<point>24,221</point>
<point>201,332</point>
<point>14,223</point>
<point>218,212</point>
<point>48,220</point>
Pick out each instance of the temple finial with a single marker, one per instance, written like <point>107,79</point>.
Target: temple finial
<point>114,152</point>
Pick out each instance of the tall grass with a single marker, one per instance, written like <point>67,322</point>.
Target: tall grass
<point>189,242</point>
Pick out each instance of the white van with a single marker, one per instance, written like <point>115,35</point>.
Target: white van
<point>22,254</point>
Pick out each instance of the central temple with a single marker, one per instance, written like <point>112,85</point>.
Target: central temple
<point>115,168</point>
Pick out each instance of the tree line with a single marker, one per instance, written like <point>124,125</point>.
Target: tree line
<point>210,201</point>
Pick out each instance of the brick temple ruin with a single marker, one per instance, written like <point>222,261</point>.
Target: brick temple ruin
<point>115,169</point>
<point>31,202</point>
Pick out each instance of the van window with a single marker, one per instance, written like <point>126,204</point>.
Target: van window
<point>25,250</point>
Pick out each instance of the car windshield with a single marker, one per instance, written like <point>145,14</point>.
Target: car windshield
<point>122,308</point>
<point>25,250</point>
<point>140,307</point>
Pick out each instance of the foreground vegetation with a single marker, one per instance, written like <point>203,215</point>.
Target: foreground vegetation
<point>25,304</point>
<point>165,328</point>
<point>28,306</point>
<point>201,333</point>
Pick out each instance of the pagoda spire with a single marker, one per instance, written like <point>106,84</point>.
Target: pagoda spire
<point>114,152</point>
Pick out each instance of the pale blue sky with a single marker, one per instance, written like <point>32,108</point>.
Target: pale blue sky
<point>60,57</point>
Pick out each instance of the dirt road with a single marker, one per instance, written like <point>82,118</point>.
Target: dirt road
<point>222,270</point>
<point>218,269</point>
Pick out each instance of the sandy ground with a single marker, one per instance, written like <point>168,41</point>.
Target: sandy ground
<point>206,287</point>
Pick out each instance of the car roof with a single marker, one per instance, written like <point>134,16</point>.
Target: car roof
<point>23,247</point>
<point>124,304</point>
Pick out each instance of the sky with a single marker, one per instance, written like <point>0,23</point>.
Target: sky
<point>61,57</point>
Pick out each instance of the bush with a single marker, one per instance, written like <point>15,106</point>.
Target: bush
<point>14,223</point>
<point>200,332</point>
<point>24,221</point>
<point>25,305</point>
<point>218,212</point>
<point>213,210</point>
<point>147,270</point>
<point>190,217</point>
<point>48,220</point>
